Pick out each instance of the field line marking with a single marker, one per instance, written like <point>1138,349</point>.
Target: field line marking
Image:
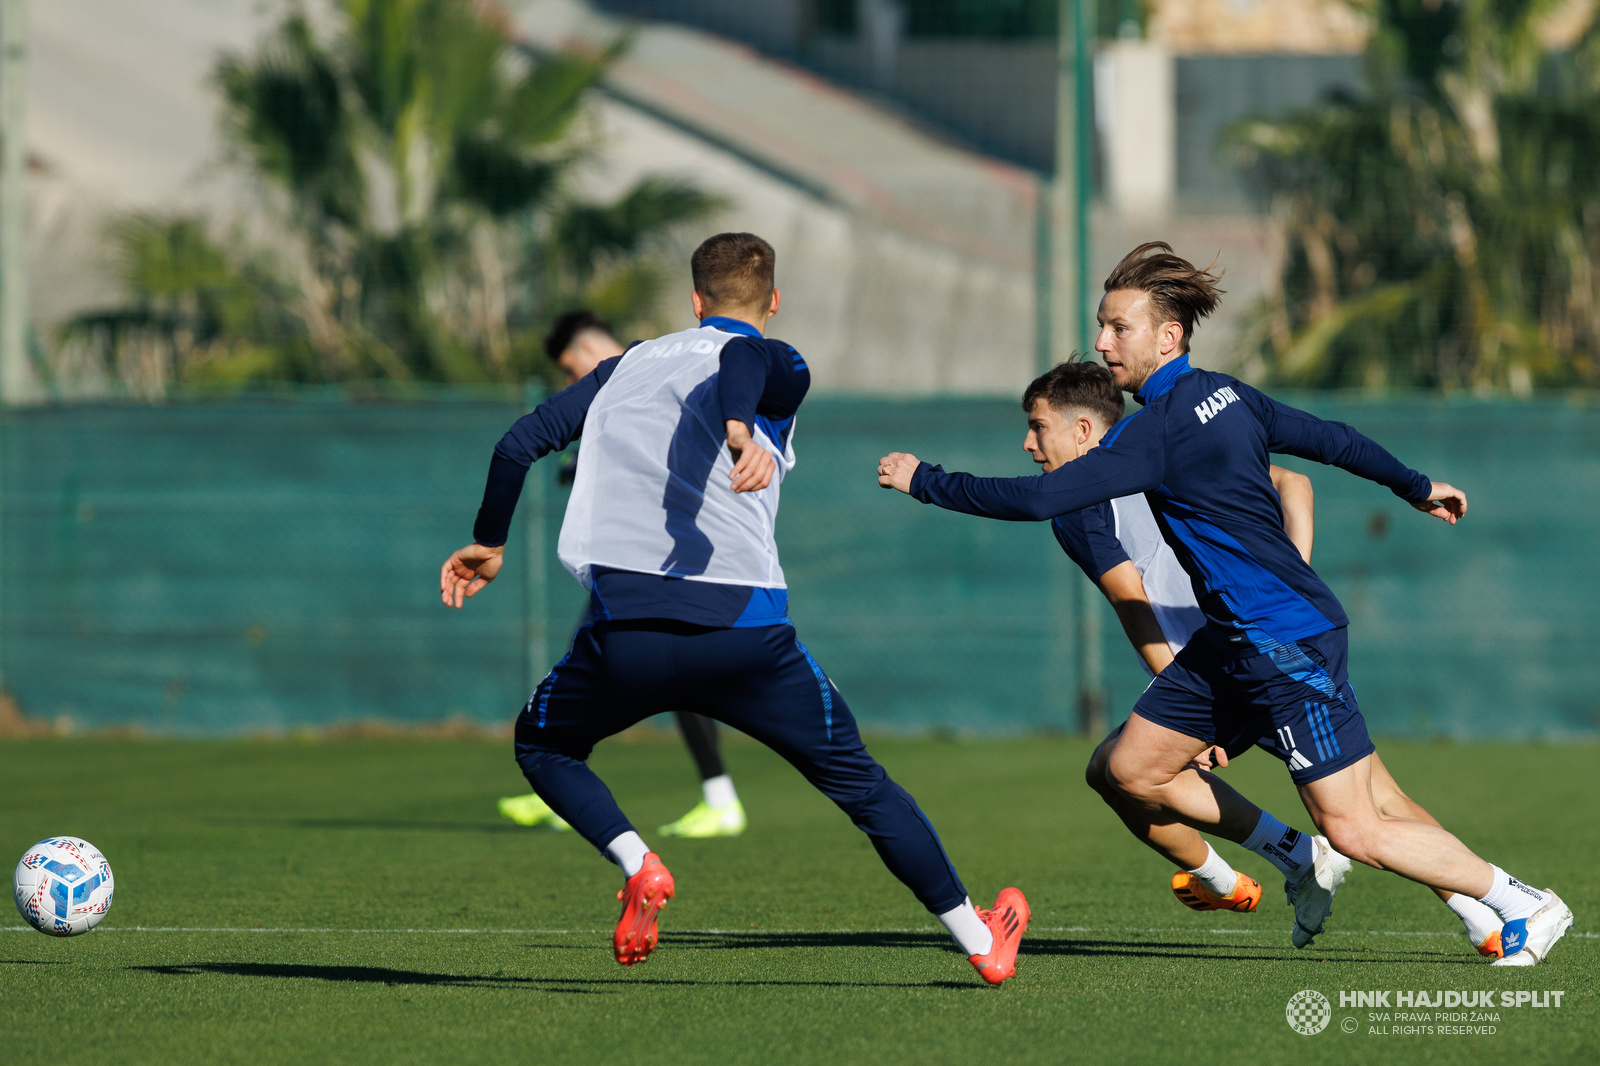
<point>744,932</point>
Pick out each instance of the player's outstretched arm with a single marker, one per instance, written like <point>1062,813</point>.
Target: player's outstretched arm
<point>467,571</point>
<point>1444,501</point>
<point>1294,432</point>
<point>1135,464</point>
<point>1297,504</point>
<point>753,465</point>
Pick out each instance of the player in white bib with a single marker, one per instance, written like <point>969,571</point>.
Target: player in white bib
<point>578,343</point>
<point>686,442</point>
<point>1119,546</point>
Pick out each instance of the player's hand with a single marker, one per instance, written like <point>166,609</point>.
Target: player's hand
<point>895,470</point>
<point>468,570</point>
<point>1213,758</point>
<point>1444,501</point>
<point>753,465</point>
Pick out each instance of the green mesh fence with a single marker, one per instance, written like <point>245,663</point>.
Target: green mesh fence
<point>226,567</point>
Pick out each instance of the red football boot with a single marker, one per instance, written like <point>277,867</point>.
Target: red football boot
<point>1007,920</point>
<point>642,898</point>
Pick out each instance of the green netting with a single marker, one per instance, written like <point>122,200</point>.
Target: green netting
<point>254,565</point>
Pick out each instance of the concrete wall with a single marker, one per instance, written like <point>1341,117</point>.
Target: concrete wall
<point>1214,91</point>
<point>874,306</point>
<point>999,96</point>
<point>777,27</point>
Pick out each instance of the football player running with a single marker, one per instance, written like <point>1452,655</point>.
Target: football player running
<point>578,342</point>
<point>1118,546</point>
<point>1273,658</point>
<point>686,441</point>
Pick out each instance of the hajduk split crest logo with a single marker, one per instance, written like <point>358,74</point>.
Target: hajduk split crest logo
<point>1309,1012</point>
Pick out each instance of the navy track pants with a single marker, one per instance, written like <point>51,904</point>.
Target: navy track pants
<point>762,682</point>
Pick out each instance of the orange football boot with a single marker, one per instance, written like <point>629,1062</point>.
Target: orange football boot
<point>1490,948</point>
<point>1193,893</point>
<point>642,898</point>
<point>1007,920</point>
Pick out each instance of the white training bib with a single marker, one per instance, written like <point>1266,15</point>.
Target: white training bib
<point>651,493</point>
<point>1166,582</point>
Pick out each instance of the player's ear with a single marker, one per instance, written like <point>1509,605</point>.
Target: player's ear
<point>777,299</point>
<point>698,303</point>
<point>1171,338</point>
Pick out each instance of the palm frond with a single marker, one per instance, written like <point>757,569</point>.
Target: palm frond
<point>586,233</point>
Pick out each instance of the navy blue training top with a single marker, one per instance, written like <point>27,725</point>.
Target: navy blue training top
<point>1198,450</point>
<point>760,382</point>
<point>1089,537</point>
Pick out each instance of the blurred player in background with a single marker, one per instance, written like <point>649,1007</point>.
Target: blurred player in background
<point>1273,661</point>
<point>577,343</point>
<point>687,439</point>
<point>1119,547</point>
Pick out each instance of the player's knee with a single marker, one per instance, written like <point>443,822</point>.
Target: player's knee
<point>1352,837</point>
<point>856,792</point>
<point>535,760</point>
<point>1095,773</point>
<point>1132,781</point>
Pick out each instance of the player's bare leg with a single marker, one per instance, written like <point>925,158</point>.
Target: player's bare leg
<point>1482,924</point>
<point>1154,767</point>
<point>1342,805</point>
<point>1166,836</point>
<point>1204,881</point>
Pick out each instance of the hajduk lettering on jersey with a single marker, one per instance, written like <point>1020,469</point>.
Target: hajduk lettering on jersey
<point>1207,409</point>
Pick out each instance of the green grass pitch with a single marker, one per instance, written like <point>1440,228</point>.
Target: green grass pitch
<point>361,902</point>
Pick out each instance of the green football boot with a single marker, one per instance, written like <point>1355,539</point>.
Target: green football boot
<point>531,810</point>
<point>706,821</point>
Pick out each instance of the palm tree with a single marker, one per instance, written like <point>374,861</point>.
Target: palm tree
<point>415,162</point>
<point>1443,230</point>
<point>192,312</point>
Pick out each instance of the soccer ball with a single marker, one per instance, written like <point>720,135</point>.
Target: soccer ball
<point>63,886</point>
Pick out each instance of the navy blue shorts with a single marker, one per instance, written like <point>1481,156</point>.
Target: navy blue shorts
<point>1295,702</point>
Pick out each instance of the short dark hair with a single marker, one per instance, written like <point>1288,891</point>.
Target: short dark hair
<point>734,270</point>
<point>1179,291</point>
<point>1077,384</point>
<point>566,329</point>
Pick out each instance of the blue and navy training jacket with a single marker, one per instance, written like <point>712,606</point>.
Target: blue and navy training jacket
<point>1199,450</point>
<point>761,382</point>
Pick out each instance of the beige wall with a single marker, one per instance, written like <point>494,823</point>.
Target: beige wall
<point>1199,27</point>
<point>1310,27</point>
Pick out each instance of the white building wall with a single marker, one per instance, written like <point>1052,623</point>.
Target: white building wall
<point>1135,107</point>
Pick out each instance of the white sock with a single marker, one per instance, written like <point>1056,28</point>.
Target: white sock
<point>1215,873</point>
<point>1287,849</point>
<point>718,792</point>
<point>628,851</point>
<point>968,929</point>
<point>1479,919</point>
<point>1511,899</point>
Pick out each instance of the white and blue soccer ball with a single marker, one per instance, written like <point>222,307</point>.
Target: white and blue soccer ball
<point>63,886</point>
